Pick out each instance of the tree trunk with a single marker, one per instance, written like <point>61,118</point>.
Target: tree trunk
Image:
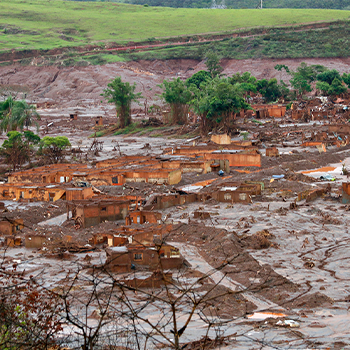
<point>124,116</point>
<point>121,115</point>
<point>179,113</point>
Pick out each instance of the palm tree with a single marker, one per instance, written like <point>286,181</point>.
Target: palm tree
<point>17,114</point>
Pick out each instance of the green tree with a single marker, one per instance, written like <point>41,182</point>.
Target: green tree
<point>246,81</point>
<point>328,76</point>
<point>279,67</point>
<point>15,150</point>
<point>177,95</point>
<point>323,87</point>
<point>269,89</point>
<point>31,138</point>
<point>337,87</point>
<point>300,84</point>
<point>17,115</point>
<point>302,77</point>
<point>309,73</point>
<point>53,147</point>
<point>198,78</point>
<point>245,77</point>
<point>346,79</point>
<point>122,94</point>
<point>217,103</point>
<point>212,63</point>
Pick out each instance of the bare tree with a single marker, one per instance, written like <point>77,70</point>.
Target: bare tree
<point>29,314</point>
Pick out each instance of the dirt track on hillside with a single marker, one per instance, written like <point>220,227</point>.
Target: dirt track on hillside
<point>82,86</point>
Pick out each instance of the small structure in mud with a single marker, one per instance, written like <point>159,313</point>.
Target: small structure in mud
<point>99,121</point>
<point>272,152</point>
<point>35,241</point>
<point>147,234</point>
<point>143,216</point>
<point>10,226</point>
<point>137,257</point>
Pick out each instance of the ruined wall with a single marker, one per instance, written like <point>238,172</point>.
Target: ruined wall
<point>272,152</point>
<point>141,217</point>
<point>237,159</point>
<point>33,241</point>
<point>11,226</point>
<point>79,193</point>
<point>223,139</point>
<point>346,192</point>
<point>92,214</point>
<point>146,257</point>
<point>341,128</point>
<point>233,196</point>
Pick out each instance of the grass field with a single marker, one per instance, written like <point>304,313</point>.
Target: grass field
<point>45,24</point>
<point>328,42</point>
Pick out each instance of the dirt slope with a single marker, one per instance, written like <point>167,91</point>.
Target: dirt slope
<point>75,86</point>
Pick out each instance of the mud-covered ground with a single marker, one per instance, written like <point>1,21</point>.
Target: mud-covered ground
<point>267,256</point>
<point>278,258</point>
<point>82,86</point>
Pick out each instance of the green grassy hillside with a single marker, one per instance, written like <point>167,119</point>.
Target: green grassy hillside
<point>328,42</point>
<point>39,24</point>
<point>242,4</point>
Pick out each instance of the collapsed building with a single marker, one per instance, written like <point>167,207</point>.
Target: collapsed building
<point>135,257</point>
<point>93,212</point>
<point>41,192</point>
<point>118,171</point>
<point>9,227</point>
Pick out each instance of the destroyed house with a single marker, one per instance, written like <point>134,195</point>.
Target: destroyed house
<point>239,159</point>
<point>12,241</point>
<point>144,235</point>
<point>107,176</point>
<point>236,155</point>
<point>209,148</point>
<point>9,227</point>
<point>55,173</point>
<point>339,128</point>
<point>114,172</point>
<point>93,212</point>
<point>142,217</point>
<point>165,201</point>
<point>35,241</point>
<point>170,162</point>
<point>121,161</point>
<point>233,192</point>
<point>48,193</point>
<point>147,280</point>
<point>266,111</point>
<point>139,257</point>
<point>115,177</point>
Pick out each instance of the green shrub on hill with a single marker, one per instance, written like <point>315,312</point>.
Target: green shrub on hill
<point>328,42</point>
